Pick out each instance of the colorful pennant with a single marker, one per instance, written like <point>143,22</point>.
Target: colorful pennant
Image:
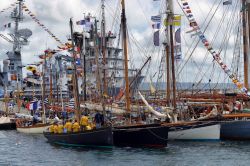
<point>216,56</point>
<point>25,8</point>
<point>11,6</point>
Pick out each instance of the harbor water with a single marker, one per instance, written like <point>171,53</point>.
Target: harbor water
<point>18,149</point>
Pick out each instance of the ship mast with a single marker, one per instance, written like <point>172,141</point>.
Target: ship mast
<point>97,72</point>
<point>43,84</point>
<point>125,52</point>
<point>167,49</point>
<point>17,16</point>
<point>170,18</point>
<point>245,43</point>
<point>75,80</point>
<point>103,42</point>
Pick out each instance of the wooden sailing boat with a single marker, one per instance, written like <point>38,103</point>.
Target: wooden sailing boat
<point>237,126</point>
<point>36,128</point>
<point>95,137</point>
<point>153,135</point>
<point>182,130</point>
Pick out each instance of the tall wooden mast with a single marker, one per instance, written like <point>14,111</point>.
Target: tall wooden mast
<point>51,84</point>
<point>75,80</point>
<point>170,19</point>
<point>248,26</point>
<point>97,72</point>
<point>245,43</point>
<point>104,49</point>
<point>125,53</point>
<point>44,66</point>
<point>167,49</point>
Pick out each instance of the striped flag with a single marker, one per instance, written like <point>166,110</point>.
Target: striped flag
<point>81,22</point>
<point>71,103</point>
<point>46,101</point>
<point>156,18</point>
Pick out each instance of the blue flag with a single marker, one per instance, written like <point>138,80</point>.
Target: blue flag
<point>81,22</point>
<point>228,2</point>
<point>157,38</point>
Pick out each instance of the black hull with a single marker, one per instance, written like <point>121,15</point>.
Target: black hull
<point>8,126</point>
<point>93,138</point>
<point>235,130</point>
<point>141,136</point>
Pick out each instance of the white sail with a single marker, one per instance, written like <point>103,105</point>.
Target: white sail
<point>156,113</point>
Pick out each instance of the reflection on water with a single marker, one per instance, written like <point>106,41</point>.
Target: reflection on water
<point>29,150</point>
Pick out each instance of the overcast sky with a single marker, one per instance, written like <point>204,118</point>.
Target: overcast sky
<point>55,15</point>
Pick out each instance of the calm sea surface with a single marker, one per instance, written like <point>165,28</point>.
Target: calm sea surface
<point>33,150</point>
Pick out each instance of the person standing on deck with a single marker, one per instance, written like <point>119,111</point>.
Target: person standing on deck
<point>84,122</point>
<point>55,128</point>
<point>98,120</point>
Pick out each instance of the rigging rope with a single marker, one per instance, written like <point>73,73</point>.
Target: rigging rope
<point>215,54</point>
<point>7,8</point>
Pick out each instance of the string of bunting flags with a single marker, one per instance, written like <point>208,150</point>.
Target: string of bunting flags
<point>25,8</point>
<point>11,6</point>
<point>197,31</point>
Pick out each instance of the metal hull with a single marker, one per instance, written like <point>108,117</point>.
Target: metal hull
<point>142,135</point>
<point>92,138</point>
<point>202,131</point>
<point>36,129</point>
<point>236,130</point>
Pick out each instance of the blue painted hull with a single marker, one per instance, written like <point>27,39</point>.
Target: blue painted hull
<point>235,130</point>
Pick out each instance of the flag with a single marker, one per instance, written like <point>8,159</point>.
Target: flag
<point>88,26</point>
<point>78,61</point>
<point>31,68</point>
<point>178,55</point>
<point>157,38</point>
<point>81,22</point>
<point>32,105</point>
<point>156,18</point>
<point>178,35</point>
<point>71,103</point>
<point>46,101</point>
<point>229,2</point>
<point>175,22</point>
<point>7,25</point>
<point>35,105</point>
<point>156,25</point>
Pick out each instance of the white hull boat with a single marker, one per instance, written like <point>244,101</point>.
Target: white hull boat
<point>202,131</point>
<point>34,129</point>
